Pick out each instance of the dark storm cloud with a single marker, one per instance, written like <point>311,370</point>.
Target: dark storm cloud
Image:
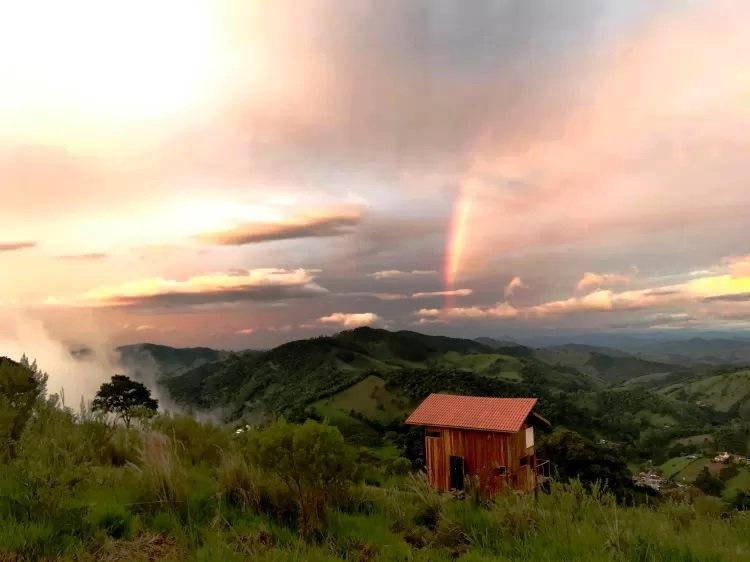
<point>218,296</point>
<point>321,226</point>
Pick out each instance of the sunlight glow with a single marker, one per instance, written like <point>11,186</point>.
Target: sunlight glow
<point>77,72</point>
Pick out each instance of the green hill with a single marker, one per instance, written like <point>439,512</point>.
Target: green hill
<point>725,392</point>
<point>167,361</point>
<point>366,380</point>
<point>609,365</point>
<point>698,351</point>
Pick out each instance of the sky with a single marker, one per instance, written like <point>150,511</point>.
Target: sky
<point>242,173</point>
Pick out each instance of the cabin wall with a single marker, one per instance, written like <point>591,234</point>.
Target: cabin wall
<point>493,457</point>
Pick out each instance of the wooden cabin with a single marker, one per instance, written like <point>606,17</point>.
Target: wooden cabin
<point>490,439</point>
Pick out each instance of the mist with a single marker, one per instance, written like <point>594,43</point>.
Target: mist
<point>75,376</point>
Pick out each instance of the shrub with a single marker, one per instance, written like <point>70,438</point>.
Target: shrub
<point>312,459</point>
<point>158,467</point>
<point>237,483</point>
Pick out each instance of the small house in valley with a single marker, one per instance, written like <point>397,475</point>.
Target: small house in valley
<point>489,439</point>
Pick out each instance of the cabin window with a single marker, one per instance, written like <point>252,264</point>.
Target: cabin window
<point>434,433</point>
<point>524,461</point>
<point>500,470</point>
<point>529,437</point>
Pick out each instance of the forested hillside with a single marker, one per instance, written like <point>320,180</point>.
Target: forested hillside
<point>366,381</point>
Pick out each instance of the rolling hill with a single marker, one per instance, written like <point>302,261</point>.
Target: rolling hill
<point>696,351</point>
<point>366,380</point>
<point>609,365</point>
<point>727,392</point>
<point>167,361</point>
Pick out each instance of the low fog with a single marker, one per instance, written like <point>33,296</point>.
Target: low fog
<point>76,369</point>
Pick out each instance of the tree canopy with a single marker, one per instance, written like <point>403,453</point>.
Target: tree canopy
<point>125,398</point>
<point>21,385</point>
<point>575,456</point>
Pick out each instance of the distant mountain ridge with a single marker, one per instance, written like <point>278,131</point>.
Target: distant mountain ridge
<point>168,361</point>
<point>609,364</point>
<point>366,380</point>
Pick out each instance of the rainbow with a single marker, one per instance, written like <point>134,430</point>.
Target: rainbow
<point>455,245</point>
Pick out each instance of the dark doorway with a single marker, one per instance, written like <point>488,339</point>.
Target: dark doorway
<point>457,473</point>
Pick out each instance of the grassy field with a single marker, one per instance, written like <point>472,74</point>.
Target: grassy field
<point>353,429</point>
<point>699,440</point>
<point>369,397</point>
<point>739,482</point>
<point>674,466</point>
<point>691,470</point>
<point>721,392</point>
<point>646,379</point>
<point>489,364</point>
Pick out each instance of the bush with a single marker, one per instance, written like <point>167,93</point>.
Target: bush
<point>312,459</point>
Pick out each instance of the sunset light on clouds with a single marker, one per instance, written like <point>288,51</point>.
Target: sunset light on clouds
<point>244,173</point>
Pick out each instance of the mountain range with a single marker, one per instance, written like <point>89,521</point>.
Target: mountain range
<point>366,381</point>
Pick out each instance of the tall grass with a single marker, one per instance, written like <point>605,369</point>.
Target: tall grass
<point>178,490</point>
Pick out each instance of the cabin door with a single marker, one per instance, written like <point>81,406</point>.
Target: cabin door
<point>457,472</point>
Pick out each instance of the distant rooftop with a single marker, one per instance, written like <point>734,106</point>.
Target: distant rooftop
<point>473,412</point>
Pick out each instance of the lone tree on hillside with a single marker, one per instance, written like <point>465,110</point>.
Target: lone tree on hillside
<point>125,398</point>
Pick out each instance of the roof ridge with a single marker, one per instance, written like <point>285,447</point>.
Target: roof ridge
<point>484,413</point>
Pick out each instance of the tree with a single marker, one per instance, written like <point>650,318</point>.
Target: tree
<point>21,385</point>
<point>575,456</point>
<point>125,398</point>
<point>741,501</point>
<point>312,459</point>
<point>708,483</point>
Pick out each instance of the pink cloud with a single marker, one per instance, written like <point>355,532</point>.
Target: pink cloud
<point>235,286</point>
<point>397,274</point>
<point>319,224</point>
<point>449,293</point>
<point>350,319</point>
<point>515,284</point>
<point>595,280</point>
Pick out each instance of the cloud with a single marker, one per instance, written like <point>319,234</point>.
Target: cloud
<point>14,246</point>
<point>397,274</point>
<point>379,296</point>
<point>245,332</point>
<point>93,256</point>
<point>237,286</point>
<point>350,319</point>
<point>709,295</point>
<point>448,293</point>
<point>739,265</point>
<point>595,280</point>
<point>739,297</point>
<point>514,284</point>
<point>320,224</point>
<point>499,310</point>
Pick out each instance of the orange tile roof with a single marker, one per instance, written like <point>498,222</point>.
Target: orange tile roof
<point>472,412</point>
